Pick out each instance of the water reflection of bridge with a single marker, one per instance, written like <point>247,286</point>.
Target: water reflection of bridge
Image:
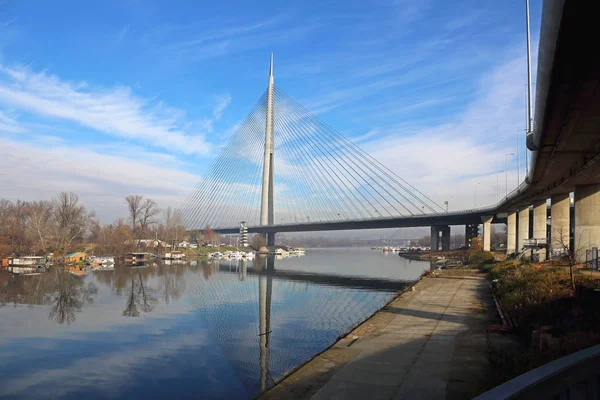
<point>353,282</point>
<point>264,268</point>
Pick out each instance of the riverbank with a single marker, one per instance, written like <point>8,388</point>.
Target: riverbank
<point>417,343</point>
<point>548,317</point>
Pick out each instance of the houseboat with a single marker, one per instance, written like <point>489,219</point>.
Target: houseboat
<point>77,257</point>
<point>102,261</point>
<point>138,258</point>
<point>25,265</point>
<point>175,255</point>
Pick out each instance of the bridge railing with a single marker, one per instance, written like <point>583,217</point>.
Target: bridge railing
<point>576,376</point>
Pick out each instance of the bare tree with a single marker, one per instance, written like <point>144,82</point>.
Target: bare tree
<point>134,206</point>
<point>425,241</point>
<point>149,211</point>
<point>173,226</point>
<point>41,223</point>
<point>258,242</point>
<point>561,247</point>
<point>209,235</point>
<point>71,218</point>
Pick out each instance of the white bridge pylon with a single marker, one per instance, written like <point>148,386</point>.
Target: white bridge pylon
<point>321,175</point>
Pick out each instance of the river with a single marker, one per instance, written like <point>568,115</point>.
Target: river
<point>223,329</point>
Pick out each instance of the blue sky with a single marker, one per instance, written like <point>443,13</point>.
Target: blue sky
<point>118,97</point>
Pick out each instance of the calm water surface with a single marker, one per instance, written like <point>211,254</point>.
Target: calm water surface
<point>224,329</point>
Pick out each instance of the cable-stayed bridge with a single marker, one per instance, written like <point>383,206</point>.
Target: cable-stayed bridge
<point>285,170</point>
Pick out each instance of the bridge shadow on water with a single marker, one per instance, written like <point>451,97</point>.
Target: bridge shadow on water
<point>266,266</point>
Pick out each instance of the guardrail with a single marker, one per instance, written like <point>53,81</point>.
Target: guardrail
<point>576,376</point>
<point>539,242</point>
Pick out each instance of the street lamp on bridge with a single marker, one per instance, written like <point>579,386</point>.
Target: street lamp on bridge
<point>506,170</point>
<point>497,185</point>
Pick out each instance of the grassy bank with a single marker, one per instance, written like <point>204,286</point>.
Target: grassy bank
<point>552,319</point>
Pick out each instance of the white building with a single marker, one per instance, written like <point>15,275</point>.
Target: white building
<point>243,234</point>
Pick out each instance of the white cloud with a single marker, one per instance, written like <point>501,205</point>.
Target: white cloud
<point>39,170</point>
<point>9,125</point>
<point>116,112</point>
<point>453,157</point>
<point>223,102</point>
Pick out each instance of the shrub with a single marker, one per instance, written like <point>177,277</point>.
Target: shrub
<point>480,257</point>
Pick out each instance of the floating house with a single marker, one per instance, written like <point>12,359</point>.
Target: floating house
<point>138,258</point>
<point>175,255</point>
<point>76,257</point>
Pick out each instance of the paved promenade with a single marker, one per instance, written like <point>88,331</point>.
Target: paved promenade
<point>427,344</point>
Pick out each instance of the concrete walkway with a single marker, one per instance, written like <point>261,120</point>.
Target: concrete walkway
<point>427,344</point>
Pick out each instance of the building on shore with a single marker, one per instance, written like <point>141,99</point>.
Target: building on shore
<point>76,257</point>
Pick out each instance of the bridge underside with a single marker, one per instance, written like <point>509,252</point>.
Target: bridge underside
<point>566,141</point>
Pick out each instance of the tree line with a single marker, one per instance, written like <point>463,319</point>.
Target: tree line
<point>63,224</point>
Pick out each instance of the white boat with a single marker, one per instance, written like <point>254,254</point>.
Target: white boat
<point>236,255</point>
<point>249,254</point>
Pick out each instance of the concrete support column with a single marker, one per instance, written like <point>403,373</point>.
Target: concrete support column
<point>511,233</point>
<point>435,238</point>
<point>540,230</point>
<point>487,231</point>
<point>560,224</point>
<point>587,219</point>
<point>445,237</point>
<point>270,239</point>
<point>523,231</point>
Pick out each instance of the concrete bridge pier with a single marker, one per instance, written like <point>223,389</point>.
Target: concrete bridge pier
<point>587,219</point>
<point>511,233</point>
<point>560,223</point>
<point>270,239</point>
<point>435,237</point>
<point>523,230</point>
<point>445,238</point>
<point>540,229</point>
<point>487,231</point>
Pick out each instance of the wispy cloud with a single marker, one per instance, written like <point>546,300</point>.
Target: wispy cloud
<point>115,111</point>
<point>206,43</point>
<point>465,151</point>
<point>223,102</point>
<point>9,125</point>
<point>47,166</point>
